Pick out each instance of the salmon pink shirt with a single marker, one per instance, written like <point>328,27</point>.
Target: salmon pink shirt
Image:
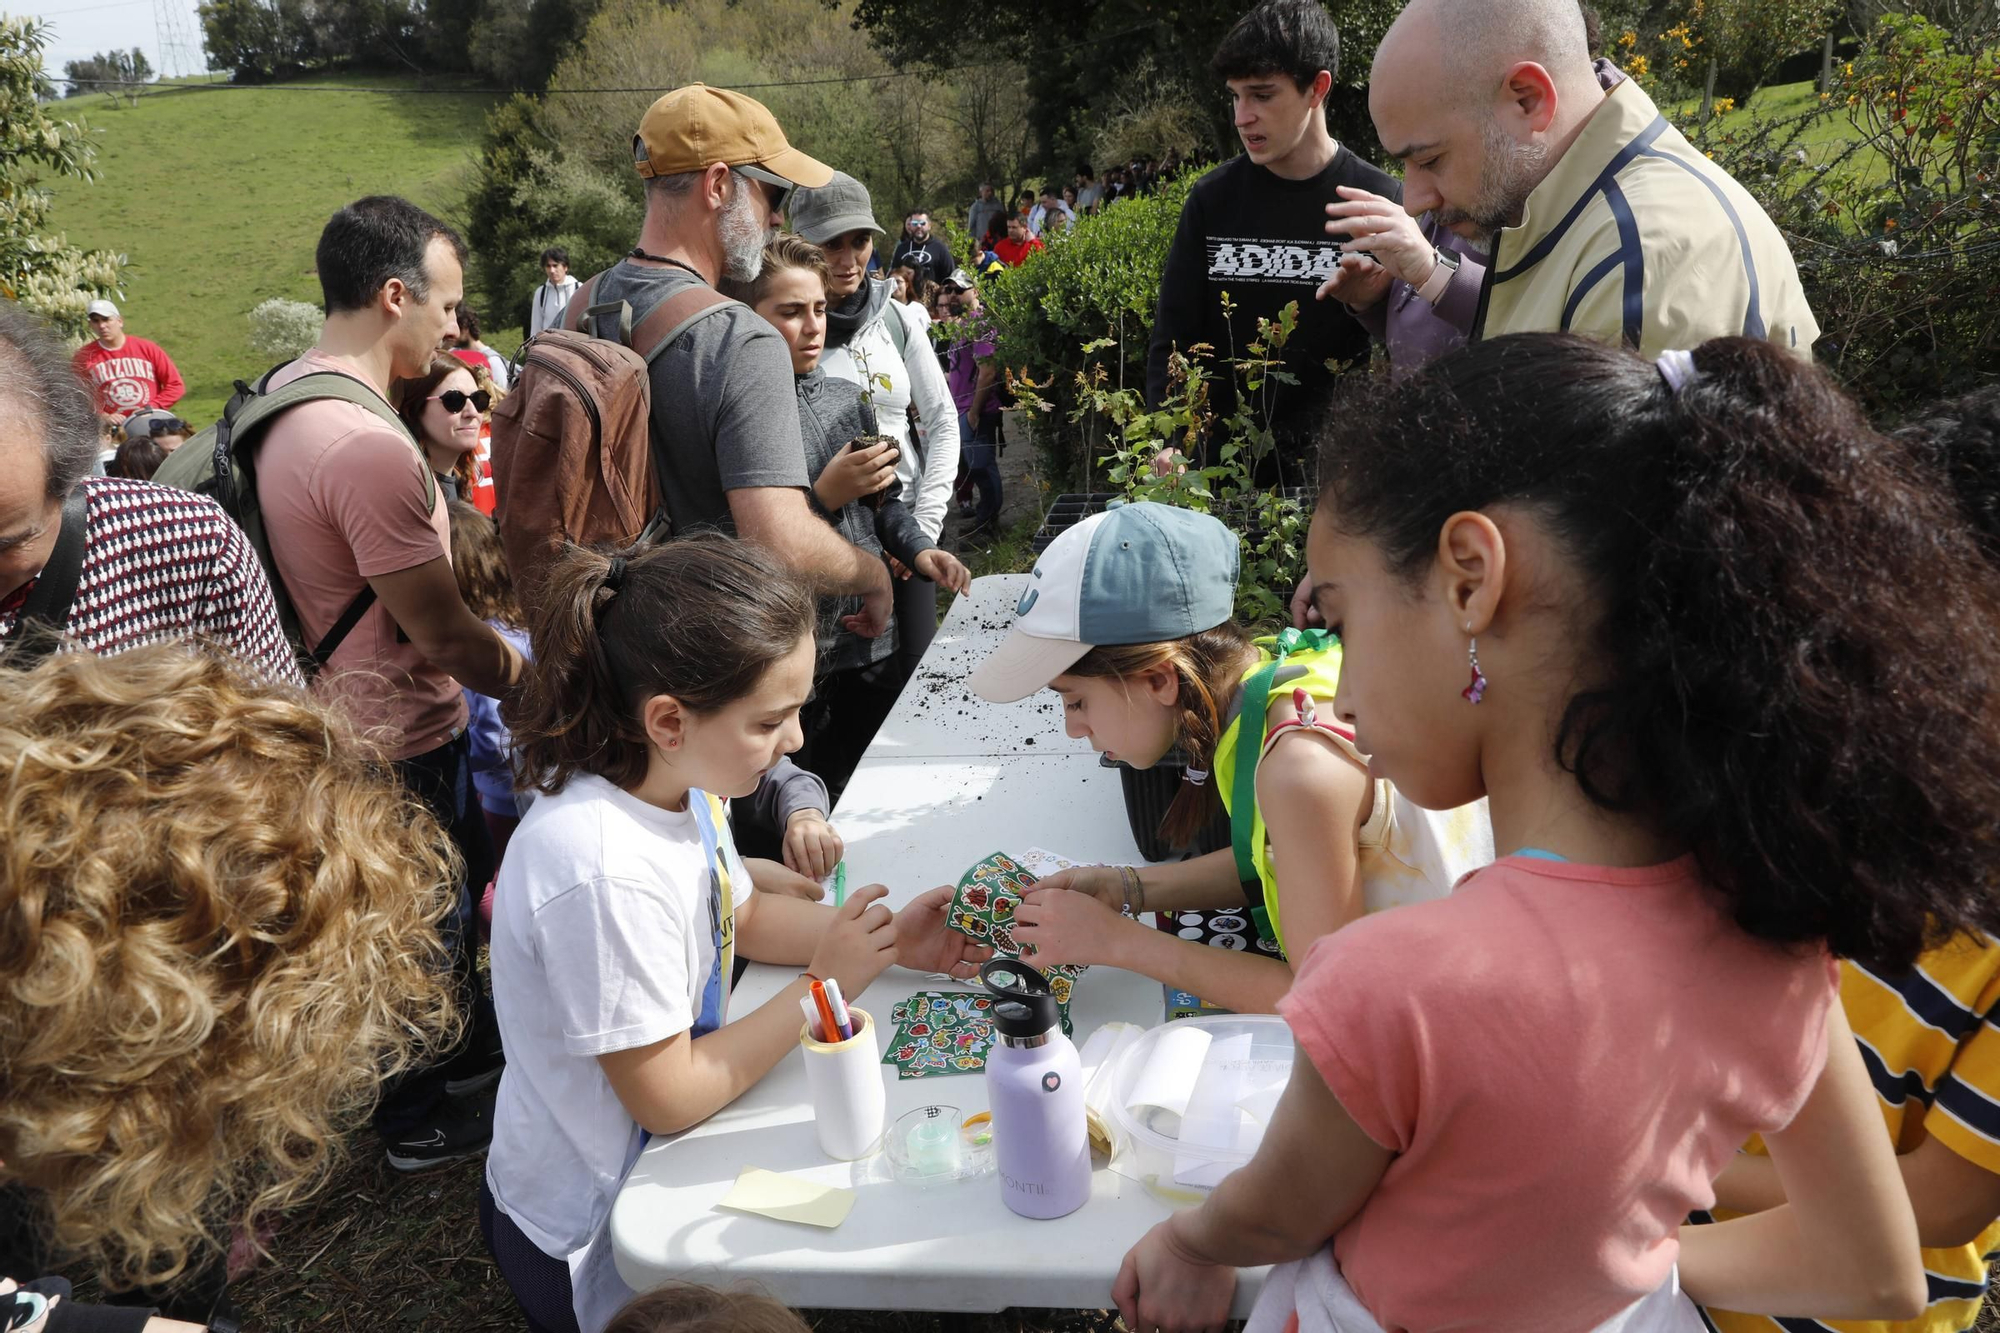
<point>1562,1057</point>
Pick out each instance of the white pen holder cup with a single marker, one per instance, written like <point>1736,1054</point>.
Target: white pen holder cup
<point>849,1100</point>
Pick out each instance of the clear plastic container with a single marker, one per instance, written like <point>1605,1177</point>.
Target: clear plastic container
<point>1236,1078</point>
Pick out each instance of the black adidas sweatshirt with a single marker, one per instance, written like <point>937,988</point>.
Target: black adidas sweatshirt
<point>1262,239</point>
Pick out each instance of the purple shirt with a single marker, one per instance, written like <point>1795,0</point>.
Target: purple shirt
<point>1416,332</point>
<point>970,345</point>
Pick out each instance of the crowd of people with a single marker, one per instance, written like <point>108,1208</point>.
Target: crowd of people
<point>1619,806</point>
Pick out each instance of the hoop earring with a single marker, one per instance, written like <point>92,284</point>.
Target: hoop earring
<point>1476,691</point>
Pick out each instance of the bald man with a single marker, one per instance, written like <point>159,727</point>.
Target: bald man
<point>1600,218</point>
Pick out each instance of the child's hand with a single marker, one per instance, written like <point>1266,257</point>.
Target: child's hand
<point>854,473</point>
<point>1163,1286</point>
<point>770,877</point>
<point>1100,882</point>
<point>859,942</point>
<point>924,944</point>
<point>1063,926</point>
<point>941,566</point>
<point>812,848</point>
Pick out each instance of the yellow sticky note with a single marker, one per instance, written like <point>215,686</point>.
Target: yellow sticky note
<point>788,1198</point>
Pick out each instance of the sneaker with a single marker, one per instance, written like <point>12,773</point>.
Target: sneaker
<point>457,1132</point>
<point>476,1067</point>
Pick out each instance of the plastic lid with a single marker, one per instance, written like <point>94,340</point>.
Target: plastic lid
<point>1026,1005</point>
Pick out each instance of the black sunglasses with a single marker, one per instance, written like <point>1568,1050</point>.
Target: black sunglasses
<point>454,400</point>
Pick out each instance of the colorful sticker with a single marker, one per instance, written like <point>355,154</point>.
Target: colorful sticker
<point>984,909</point>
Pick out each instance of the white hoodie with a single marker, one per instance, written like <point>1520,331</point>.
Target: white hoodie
<point>919,379</point>
<point>551,299</point>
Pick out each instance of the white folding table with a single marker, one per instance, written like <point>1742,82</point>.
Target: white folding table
<point>948,780</point>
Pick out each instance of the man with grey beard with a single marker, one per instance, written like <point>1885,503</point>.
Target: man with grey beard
<point>1598,216</point>
<point>725,426</point>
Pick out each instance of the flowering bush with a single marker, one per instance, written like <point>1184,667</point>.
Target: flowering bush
<point>1895,233</point>
<point>38,267</point>
<point>284,329</point>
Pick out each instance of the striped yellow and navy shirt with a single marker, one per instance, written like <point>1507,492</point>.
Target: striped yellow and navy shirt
<point>1933,1051</point>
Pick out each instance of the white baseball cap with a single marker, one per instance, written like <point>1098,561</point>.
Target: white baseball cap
<point>101,307</point>
<point>1136,573</point>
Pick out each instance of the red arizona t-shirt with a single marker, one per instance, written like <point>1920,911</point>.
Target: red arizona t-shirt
<point>139,374</point>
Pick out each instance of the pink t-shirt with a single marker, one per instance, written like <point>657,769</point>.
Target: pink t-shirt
<point>343,498</point>
<point>1562,1057</point>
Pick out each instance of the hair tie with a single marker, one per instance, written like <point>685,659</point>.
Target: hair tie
<point>614,577</point>
<point>1677,368</point>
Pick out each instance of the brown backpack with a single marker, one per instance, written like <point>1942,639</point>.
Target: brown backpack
<point>573,455</point>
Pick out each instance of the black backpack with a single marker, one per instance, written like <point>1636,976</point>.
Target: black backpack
<point>220,463</point>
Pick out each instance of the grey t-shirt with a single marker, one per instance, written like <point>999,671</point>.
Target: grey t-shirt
<point>724,413</point>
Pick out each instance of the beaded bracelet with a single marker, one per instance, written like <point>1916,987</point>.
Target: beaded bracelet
<point>1135,892</point>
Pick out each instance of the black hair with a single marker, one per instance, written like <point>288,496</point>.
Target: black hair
<point>468,323</point>
<point>137,459</point>
<point>555,254</point>
<point>1791,642</point>
<point>373,240</point>
<point>1960,438</point>
<point>700,618</point>
<point>35,373</point>
<point>1593,30</point>
<point>1296,38</point>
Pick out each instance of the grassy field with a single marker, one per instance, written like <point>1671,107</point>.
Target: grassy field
<point>218,198</point>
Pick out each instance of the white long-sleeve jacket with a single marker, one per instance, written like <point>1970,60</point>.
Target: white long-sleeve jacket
<point>918,379</point>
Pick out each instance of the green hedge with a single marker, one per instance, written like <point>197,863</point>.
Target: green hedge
<point>1099,282</point>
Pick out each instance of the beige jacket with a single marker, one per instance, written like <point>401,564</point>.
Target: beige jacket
<point>1637,237</point>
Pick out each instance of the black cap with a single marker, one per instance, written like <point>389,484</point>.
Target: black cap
<point>1026,1005</point>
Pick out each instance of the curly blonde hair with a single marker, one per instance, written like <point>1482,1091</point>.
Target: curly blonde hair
<point>218,936</point>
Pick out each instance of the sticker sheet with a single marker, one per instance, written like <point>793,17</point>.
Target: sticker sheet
<point>940,1032</point>
<point>983,910</point>
<point>1227,929</point>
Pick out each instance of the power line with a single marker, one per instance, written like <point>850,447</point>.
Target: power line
<point>925,72</point>
<point>85,9</point>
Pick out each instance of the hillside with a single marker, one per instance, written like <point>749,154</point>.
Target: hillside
<point>218,198</point>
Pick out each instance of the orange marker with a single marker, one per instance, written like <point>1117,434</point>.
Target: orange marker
<point>825,1012</point>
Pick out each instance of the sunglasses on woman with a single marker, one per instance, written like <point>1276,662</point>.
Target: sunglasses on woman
<point>454,400</point>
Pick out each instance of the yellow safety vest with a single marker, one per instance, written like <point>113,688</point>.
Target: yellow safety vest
<point>1306,660</point>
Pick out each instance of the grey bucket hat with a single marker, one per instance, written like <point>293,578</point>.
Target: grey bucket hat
<point>834,209</point>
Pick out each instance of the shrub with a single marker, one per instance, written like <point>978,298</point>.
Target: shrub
<point>284,329</point>
<point>1084,305</point>
<point>1149,452</point>
<point>1894,231</point>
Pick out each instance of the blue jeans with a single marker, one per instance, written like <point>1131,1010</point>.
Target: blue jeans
<point>980,453</point>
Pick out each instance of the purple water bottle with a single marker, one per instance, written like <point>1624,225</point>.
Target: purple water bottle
<point>1034,1085</point>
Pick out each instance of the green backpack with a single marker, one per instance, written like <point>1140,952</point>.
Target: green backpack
<point>220,463</point>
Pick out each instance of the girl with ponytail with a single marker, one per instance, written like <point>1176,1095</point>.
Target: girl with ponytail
<point>663,685</point>
<point>1129,618</point>
<point>1722,660</point>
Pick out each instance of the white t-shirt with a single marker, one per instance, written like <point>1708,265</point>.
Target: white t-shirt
<point>613,928</point>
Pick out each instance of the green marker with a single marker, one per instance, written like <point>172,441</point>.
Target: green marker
<point>840,884</point>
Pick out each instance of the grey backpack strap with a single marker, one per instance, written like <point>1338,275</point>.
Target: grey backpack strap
<point>674,316</point>
<point>323,384</point>
<point>46,611</point>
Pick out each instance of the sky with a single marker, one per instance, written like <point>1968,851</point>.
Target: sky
<point>81,28</point>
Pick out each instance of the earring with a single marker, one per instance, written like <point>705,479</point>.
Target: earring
<point>1476,691</point>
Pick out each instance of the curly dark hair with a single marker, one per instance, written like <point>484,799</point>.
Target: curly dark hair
<point>1961,439</point>
<point>1794,641</point>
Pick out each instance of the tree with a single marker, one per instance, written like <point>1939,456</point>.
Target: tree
<point>1079,57</point>
<point>38,267</point>
<point>1733,45</point>
<point>114,73</point>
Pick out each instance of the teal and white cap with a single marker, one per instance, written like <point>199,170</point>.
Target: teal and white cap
<point>1136,573</point>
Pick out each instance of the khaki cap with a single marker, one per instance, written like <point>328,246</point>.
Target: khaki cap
<point>693,128</point>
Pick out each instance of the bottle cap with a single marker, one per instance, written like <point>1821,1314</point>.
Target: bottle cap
<point>1026,1007</point>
